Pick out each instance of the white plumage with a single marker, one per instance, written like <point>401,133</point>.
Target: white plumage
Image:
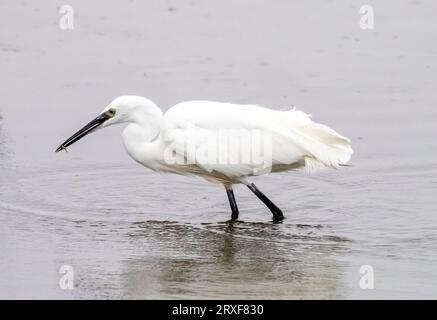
<point>192,137</point>
<point>297,141</point>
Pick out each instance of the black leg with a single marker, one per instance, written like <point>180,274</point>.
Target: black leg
<point>232,202</point>
<point>277,213</point>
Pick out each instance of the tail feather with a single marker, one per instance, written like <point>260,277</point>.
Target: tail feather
<point>327,148</point>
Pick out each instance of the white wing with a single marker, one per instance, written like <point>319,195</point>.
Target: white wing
<point>250,140</point>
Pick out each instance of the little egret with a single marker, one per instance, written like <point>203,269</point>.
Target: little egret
<point>222,142</point>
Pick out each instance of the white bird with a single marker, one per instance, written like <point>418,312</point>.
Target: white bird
<point>222,142</point>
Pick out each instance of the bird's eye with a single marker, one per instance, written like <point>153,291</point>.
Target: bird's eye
<point>110,112</point>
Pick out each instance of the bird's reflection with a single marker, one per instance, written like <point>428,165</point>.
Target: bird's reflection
<point>232,260</point>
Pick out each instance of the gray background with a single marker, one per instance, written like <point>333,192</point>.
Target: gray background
<point>131,233</point>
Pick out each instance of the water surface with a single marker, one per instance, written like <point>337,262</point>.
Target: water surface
<point>132,233</point>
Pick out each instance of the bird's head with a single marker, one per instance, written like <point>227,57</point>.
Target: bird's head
<point>123,109</point>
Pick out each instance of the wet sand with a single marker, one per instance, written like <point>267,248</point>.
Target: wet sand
<point>132,233</point>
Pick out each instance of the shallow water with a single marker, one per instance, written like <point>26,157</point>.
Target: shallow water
<point>132,233</point>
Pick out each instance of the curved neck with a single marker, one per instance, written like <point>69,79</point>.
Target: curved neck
<point>143,129</point>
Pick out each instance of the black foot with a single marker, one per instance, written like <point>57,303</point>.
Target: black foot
<point>278,219</point>
<point>232,203</point>
<point>277,213</point>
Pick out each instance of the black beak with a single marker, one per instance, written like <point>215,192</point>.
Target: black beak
<point>84,131</point>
